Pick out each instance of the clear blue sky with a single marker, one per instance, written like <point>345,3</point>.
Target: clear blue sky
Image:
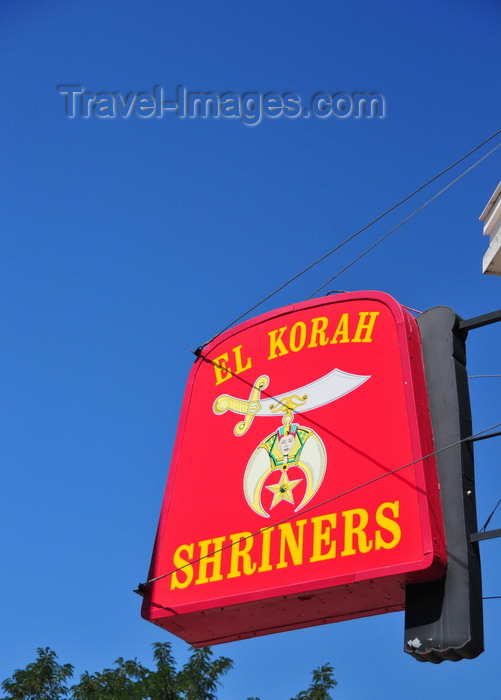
<point>126,243</point>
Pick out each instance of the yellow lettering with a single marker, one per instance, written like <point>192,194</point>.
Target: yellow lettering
<point>351,531</point>
<point>318,326</point>
<point>238,360</point>
<point>221,369</point>
<point>276,343</point>
<point>265,549</point>
<point>184,567</point>
<point>295,546</point>
<point>367,326</point>
<point>240,555</point>
<point>295,343</point>
<point>214,559</point>
<point>389,525</point>
<point>342,331</point>
<point>322,536</point>
<point>210,560</point>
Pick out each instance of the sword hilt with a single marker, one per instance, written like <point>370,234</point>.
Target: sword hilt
<point>248,408</point>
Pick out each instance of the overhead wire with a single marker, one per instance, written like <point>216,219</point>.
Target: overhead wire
<point>482,376</point>
<point>318,505</point>
<point>476,436</point>
<point>365,252</point>
<point>359,231</point>
<point>404,221</point>
<point>484,526</point>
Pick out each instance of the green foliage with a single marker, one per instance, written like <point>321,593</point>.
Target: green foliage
<point>323,681</point>
<point>162,684</point>
<point>125,681</point>
<point>198,679</point>
<point>200,675</point>
<point>44,679</point>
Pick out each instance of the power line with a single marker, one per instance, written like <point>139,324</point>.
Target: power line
<point>480,376</point>
<point>482,529</point>
<point>357,233</point>
<point>141,586</point>
<point>407,218</point>
<point>306,269</point>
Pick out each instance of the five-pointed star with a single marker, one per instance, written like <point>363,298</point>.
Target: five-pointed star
<point>283,490</point>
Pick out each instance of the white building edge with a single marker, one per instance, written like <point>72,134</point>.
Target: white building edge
<point>491,216</point>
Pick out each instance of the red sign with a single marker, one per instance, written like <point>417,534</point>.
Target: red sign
<point>300,490</point>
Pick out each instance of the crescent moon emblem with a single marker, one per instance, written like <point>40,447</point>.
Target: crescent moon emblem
<point>308,454</point>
